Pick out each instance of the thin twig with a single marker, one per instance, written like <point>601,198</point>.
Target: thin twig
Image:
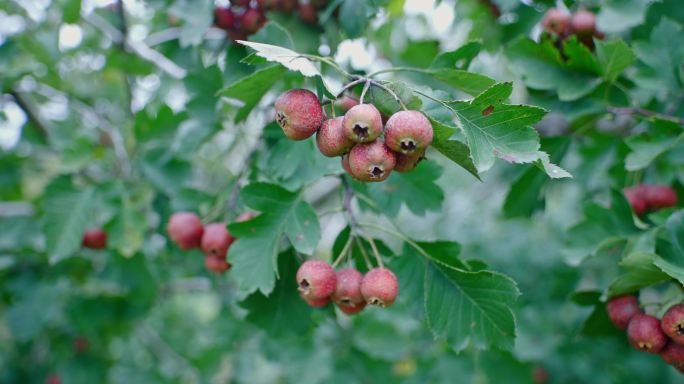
<point>645,112</point>
<point>378,259</point>
<point>345,250</point>
<point>365,89</point>
<point>32,115</point>
<point>366,259</point>
<point>398,69</point>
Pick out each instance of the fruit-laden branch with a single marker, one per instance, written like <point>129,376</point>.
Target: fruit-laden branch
<point>140,48</point>
<point>30,113</point>
<point>646,113</point>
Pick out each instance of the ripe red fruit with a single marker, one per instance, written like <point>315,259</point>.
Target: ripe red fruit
<point>673,354</point>
<point>224,18</point>
<point>308,14</point>
<point>556,21</point>
<point>80,344</point>
<point>540,375</point>
<point>636,198</point>
<point>316,303</point>
<point>216,264</point>
<point>644,333</point>
<point>331,140</point>
<point>345,164</point>
<point>673,323</point>
<point>316,279</point>
<point>583,23</point>
<point>380,287</point>
<point>240,3</point>
<point>94,238</point>
<point>185,229</point>
<point>406,163</point>
<point>252,20</point>
<point>622,309</point>
<point>53,378</point>
<point>216,240</point>
<point>299,113</point>
<point>408,132</point>
<point>362,123</point>
<point>347,295</point>
<point>267,5</point>
<point>659,196</point>
<point>345,103</point>
<point>371,161</point>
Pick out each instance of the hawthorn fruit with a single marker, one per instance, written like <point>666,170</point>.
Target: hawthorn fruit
<point>380,287</point>
<point>347,295</point>
<point>299,113</point>
<point>371,161</point>
<point>556,21</point>
<point>316,279</point>
<point>362,123</point>
<point>94,238</point>
<point>672,323</point>
<point>621,310</point>
<point>185,229</point>
<point>659,196</point>
<point>331,140</point>
<point>673,354</point>
<point>408,132</point>
<point>645,334</point>
<point>216,264</point>
<point>216,239</point>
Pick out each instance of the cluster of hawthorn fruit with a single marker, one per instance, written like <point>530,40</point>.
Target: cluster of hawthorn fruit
<point>649,334</point>
<point>563,25</point>
<point>351,291</point>
<point>246,17</point>
<point>647,198</point>
<point>187,231</point>
<point>356,135</point>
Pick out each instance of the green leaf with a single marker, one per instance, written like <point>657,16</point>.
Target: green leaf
<point>387,104</point>
<point>661,61</point>
<point>250,89</point>
<point>452,148</point>
<point>542,67</point>
<point>295,164</point>
<point>197,16</point>
<point>618,16</point>
<point>288,58</point>
<point>495,129</point>
<point>68,213</point>
<point>417,190</point>
<point>670,247</point>
<point>460,58</point>
<point>72,11</point>
<point>614,57</point>
<point>126,232</point>
<point>470,307</point>
<point>468,82</point>
<point>662,136</point>
<point>354,17</point>
<point>641,273</point>
<point>283,311</point>
<point>254,254</point>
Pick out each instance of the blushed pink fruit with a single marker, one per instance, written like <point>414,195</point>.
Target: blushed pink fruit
<point>583,23</point>
<point>556,21</point>
<point>345,164</point>
<point>352,309</point>
<point>316,303</point>
<point>371,161</point>
<point>94,238</point>
<point>316,279</point>
<point>347,293</point>
<point>216,239</point>
<point>380,287</point>
<point>362,123</point>
<point>299,113</point>
<point>408,132</point>
<point>673,323</point>
<point>406,163</point>
<point>673,354</point>
<point>216,264</point>
<point>252,20</point>
<point>346,103</point>
<point>185,229</point>
<point>636,198</point>
<point>224,18</point>
<point>331,140</point>
<point>644,333</point>
<point>622,309</point>
<point>308,14</point>
<point>659,196</point>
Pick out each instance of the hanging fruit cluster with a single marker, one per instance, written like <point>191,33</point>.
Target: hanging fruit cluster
<point>644,198</point>
<point>649,334</point>
<point>563,25</point>
<point>188,232</point>
<point>369,151</point>
<point>244,17</point>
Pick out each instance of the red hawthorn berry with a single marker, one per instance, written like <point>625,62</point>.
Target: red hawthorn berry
<point>540,375</point>
<point>94,238</point>
<point>287,6</point>
<point>406,163</point>
<point>556,21</point>
<point>645,334</point>
<point>80,344</point>
<point>621,310</point>
<point>345,103</point>
<point>224,18</point>
<point>362,123</point>
<point>673,354</point>
<point>252,20</point>
<point>331,140</point>
<point>299,113</point>
<point>53,378</point>
<point>216,239</point>
<point>308,14</point>
<point>316,303</point>
<point>216,264</point>
<point>316,279</point>
<point>673,323</point>
<point>660,196</point>
<point>371,161</point>
<point>636,198</point>
<point>347,295</point>
<point>380,287</point>
<point>408,132</point>
<point>583,23</point>
<point>185,229</point>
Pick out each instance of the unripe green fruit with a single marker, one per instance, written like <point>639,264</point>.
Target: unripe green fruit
<point>331,140</point>
<point>371,161</point>
<point>408,132</point>
<point>362,123</point>
<point>299,113</point>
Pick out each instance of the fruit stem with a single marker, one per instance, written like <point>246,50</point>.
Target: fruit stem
<point>375,252</point>
<point>398,69</point>
<point>646,113</point>
<point>345,250</point>
<point>365,89</point>
<point>401,236</point>
<point>391,92</point>
<point>369,265</point>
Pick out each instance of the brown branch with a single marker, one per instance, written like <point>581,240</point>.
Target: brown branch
<point>646,113</point>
